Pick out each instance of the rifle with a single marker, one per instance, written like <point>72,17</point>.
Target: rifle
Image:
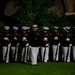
<point>67,54</point>
<point>24,54</point>
<point>5,57</point>
<point>16,52</point>
<point>8,47</point>
<point>56,53</point>
<point>28,52</point>
<point>44,54</point>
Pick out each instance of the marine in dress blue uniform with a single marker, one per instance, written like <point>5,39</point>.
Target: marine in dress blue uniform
<point>6,44</point>
<point>24,44</point>
<point>34,42</point>
<point>15,43</point>
<point>55,43</point>
<point>45,40</point>
<point>66,44</point>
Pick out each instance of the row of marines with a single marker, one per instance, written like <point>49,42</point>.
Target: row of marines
<point>28,44</point>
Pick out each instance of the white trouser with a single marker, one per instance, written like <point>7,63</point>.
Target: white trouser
<point>6,54</point>
<point>14,53</point>
<point>24,54</point>
<point>73,48</point>
<point>34,55</point>
<point>66,53</point>
<point>45,53</point>
<point>55,49</point>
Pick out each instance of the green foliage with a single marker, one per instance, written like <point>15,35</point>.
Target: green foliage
<point>1,25</point>
<point>68,20</point>
<point>33,11</point>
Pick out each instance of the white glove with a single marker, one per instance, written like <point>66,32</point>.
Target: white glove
<point>18,44</point>
<point>9,44</point>
<point>55,38</point>
<point>67,39</point>
<point>47,45</point>
<point>70,45</point>
<point>59,44</point>
<point>27,44</point>
<point>5,38</point>
<point>45,39</point>
<point>15,38</point>
<point>24,39</point>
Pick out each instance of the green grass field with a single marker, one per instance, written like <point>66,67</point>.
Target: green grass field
<point>49,68</point>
